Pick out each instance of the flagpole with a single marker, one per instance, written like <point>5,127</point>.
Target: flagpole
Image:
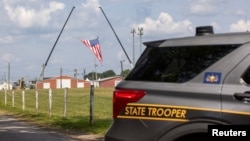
<point>95,72</point>
<point>96,66</point>
<point>117,37</point>
<point>95,48</point>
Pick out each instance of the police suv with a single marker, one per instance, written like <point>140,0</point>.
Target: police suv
<point>181,86</point>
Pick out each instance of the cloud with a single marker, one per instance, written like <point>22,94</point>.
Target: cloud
<point>240,13</point>
<point>6,39</point>
<point>204,7</point>
<point>216,27</point>
<point>7,57</point>
<point>120,55</point>
<point>25,17</point>
<point>56,59</point>
<point>239,26</point>
<point>92,5</point>
<point>88,14</point>
<point>164,25</point>
<point>31,67</point>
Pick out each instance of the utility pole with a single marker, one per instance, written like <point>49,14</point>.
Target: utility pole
<point>75,75</point>
<point>140,29</point>
<point>133,32</point>
<point>122,66</point>
<point>84,73</point>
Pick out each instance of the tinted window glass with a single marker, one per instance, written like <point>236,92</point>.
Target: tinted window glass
<point>176,64</point>
<point>246,76</point>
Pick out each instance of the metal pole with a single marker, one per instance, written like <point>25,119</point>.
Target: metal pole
<point>122,67</point>
<point>140,34</point>
<point>133,32</point>
<point>84,72</point>
<point>116,37</point>
<point>55,44</point>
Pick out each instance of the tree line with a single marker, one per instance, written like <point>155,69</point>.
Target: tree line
<point>105,74</point>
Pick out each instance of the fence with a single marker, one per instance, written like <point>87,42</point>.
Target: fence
<point>61,102</point>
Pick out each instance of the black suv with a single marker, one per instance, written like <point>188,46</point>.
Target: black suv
<point>181,86</point>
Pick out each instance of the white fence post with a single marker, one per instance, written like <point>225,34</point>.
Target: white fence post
<point>23,99</point>
<point>50,102</point>
<point>5,97</point>
<point>36,101</point>
<point>65,101</point>
<point>13,99</point>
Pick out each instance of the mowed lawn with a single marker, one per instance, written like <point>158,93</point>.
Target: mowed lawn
<point>51,111</point>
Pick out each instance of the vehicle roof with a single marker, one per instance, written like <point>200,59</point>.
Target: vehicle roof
<point>212,39</point>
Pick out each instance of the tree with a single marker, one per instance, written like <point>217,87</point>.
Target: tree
<point>125,73</point>
<point>108,73</point>
<point>92,75</point>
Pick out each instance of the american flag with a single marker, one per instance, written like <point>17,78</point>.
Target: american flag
<point>94,46</point>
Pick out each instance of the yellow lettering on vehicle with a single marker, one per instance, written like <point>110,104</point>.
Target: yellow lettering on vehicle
<point>138,111</point>
<point>162,112</point>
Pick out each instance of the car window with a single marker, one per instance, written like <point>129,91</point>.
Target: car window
<point>176,64</point>
<point>246,76</point>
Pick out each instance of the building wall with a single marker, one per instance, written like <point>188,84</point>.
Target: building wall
<point>52,83</point>
<point>70,82</point>
<point>109,82</point>
<point>63,83</point>
<point>66,81</point>
<point>5,86</point>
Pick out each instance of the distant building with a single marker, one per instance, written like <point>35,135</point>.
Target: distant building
<point>5,86</point>
<point>109,81</point>
<point>70,82</point>
<point>62,82</point>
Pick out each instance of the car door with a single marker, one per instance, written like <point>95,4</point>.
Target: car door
<point>235,94</point>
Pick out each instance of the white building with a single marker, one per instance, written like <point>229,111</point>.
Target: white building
<point>5,86</point>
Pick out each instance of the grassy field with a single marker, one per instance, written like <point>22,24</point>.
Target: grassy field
<point>77,117</point>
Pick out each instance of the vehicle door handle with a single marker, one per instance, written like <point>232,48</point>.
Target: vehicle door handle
<point>245,97</point>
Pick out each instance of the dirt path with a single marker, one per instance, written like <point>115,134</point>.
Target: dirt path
<point>8,122</point>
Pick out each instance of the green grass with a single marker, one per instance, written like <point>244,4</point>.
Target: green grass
<point>77,112</point>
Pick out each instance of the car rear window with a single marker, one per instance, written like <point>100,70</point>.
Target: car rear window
<point>176,64</point>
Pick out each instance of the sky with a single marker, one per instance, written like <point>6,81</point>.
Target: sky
<point>31,28</point>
